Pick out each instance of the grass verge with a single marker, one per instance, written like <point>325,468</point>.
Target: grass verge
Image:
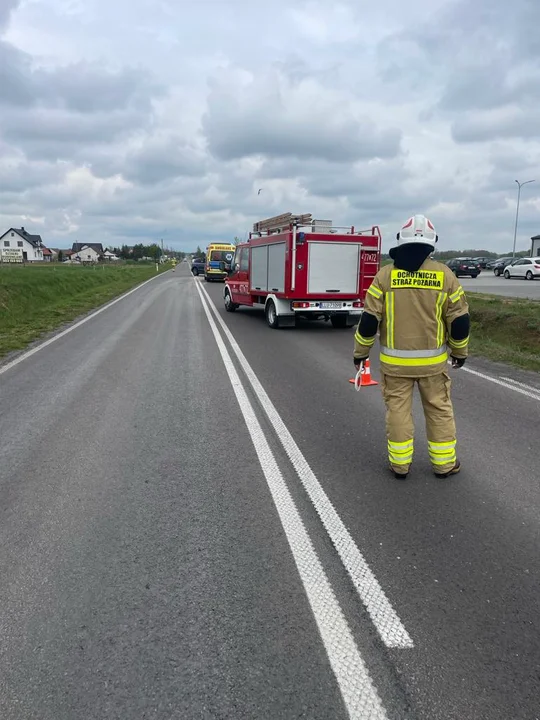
<point>505,330</point>
<point>37,299</point>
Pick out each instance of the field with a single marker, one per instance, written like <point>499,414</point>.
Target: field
<point>505,330</point>
<point>37,299</point>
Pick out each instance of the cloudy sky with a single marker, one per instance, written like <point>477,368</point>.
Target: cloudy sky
<point>126,121</point>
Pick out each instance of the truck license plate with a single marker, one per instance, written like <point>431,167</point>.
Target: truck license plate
<point>331,305</point>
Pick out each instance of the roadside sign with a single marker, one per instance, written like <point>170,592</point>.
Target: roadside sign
<point>11,255</point>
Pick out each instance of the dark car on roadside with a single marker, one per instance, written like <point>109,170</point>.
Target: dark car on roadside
<point>197,266</point>
<point>499,264</point>
<point>482,261</point>
<point>464,266</point>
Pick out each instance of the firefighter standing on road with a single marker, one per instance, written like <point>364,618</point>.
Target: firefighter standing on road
<point>422,312</point>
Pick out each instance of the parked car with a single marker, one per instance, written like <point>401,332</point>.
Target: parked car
<point>527,268</point>
<point>501,263</point>
<point>197,266</point>
<point>464,266</point>
<point>482,261</point>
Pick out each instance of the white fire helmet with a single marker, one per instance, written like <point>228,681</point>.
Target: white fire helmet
<point>417,229</point>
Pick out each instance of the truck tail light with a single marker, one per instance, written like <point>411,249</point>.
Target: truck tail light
<point>297,304</point>
<point>357,304</point>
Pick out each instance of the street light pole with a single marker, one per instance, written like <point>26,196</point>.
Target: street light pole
<point>520,185</point>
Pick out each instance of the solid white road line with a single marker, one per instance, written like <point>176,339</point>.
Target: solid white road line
<point>359,694</point>
<point>516,388</point>
<point>383,615</point>
<point>532,388</point>
<point>33,351</point>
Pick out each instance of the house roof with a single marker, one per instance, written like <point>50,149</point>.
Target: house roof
<point>46,251</point>
<point>97,247</point>
<point>34,240</point>
<point>536,237</point>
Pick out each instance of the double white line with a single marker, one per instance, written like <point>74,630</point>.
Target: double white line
<point>528,390</point>
<point>357,689</point>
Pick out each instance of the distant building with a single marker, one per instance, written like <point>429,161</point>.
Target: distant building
<point>17,245</point>
<point>535,249</point>
<point>61,255</point>
<point>87,252</point>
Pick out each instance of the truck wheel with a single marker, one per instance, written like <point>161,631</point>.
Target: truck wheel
<point>339,321</point>
<point>271,315</point>
<point>229,305</point>
<point>195,271</point>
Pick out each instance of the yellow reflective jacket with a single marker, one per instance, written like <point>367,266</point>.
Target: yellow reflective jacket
<point>415,312</point>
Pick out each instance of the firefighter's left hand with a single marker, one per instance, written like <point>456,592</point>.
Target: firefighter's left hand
<point>358,364</point>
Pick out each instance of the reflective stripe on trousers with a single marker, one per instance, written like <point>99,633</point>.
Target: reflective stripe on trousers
<point>400,453</point>
<point>442,453</point>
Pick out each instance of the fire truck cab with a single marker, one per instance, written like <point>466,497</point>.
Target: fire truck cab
<point>293,265</point>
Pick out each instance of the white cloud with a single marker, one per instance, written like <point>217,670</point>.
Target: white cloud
<point>325,23</point>
<point>123,119</point>
<point>270,115</point>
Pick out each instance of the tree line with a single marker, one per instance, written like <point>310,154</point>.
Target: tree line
<point>139,251</point>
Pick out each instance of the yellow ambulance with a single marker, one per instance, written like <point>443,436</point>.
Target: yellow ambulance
<point>219,257</point>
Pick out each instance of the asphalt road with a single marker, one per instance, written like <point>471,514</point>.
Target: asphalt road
<point>486,282</point>
<point>176,543</point>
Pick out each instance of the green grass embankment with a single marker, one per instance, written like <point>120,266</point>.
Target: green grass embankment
<point>37,299</point>
<point>505,329</point>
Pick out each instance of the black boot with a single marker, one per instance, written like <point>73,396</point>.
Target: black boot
<point>397,475</point>
<point>453,471</point>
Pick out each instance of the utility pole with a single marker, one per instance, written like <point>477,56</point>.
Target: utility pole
<point>520,185</point>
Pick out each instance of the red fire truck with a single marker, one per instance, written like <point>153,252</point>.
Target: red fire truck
<point>293,265</point>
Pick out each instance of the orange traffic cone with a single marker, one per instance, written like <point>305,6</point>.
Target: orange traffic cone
<point>365,377</point>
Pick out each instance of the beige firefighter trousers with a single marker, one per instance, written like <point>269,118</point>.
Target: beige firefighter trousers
<point>439,414</point>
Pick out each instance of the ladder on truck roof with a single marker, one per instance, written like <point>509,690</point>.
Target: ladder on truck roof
<point>281,222</point>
